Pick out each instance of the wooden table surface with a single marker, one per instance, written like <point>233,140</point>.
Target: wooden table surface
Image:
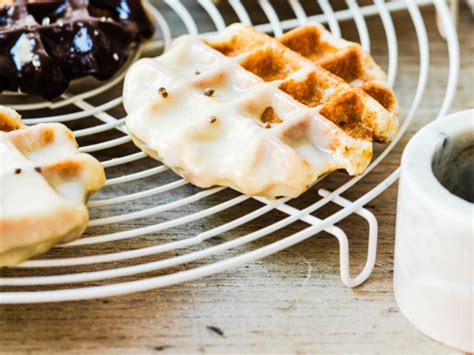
<point>292,302</point>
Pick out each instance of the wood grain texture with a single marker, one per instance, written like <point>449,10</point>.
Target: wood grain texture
<point>292,302</point>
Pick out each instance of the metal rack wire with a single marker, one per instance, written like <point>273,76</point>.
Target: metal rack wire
<point>102,274</point>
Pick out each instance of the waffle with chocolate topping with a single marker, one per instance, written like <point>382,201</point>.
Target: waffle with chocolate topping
<point>44,44</point>
<point>45,183</point>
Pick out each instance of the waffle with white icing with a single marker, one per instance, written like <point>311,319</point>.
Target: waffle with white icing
<point>245,111</point>
<point>44,186</point>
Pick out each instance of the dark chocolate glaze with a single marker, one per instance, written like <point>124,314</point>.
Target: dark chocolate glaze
<point>44,44</point>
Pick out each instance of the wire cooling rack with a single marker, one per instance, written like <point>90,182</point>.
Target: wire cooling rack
<point>143,233</point>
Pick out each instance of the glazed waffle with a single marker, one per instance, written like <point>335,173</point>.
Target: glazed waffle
<point>44,183</point>
<point>46,44</point>
<point>243,110</point>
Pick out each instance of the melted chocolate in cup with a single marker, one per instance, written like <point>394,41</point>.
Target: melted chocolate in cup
<point>44,44</point>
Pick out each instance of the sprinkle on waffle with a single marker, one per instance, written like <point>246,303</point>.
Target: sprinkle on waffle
<point>282,120</point>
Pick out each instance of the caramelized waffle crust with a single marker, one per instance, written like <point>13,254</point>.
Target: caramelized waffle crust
<point>46,44</point>
<point>242,109</point>
<point>45,183</point>
<point>335,74</point>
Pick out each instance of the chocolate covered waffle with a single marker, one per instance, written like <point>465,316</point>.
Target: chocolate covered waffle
<point>242,109</point>
<point>44,44</point>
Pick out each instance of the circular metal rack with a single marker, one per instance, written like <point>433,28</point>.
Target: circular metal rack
<point>109,260</point>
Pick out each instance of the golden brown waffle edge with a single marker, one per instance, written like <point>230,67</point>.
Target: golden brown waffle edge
<point>368,111</point>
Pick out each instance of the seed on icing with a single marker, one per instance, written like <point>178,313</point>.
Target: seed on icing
<point>212,119</point>
<point>38,169</point>
<point>17,171</point>
<point>209,92</point>
<point>162,91</point>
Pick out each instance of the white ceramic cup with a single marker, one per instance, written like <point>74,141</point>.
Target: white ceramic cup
<point>433,271</point>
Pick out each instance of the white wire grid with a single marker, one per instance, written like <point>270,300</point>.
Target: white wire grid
<point>63,282</point>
